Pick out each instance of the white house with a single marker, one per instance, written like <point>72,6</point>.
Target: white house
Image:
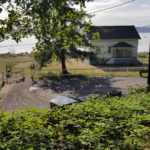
<point>117,45</point>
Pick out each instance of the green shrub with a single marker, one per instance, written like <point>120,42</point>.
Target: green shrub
<point>141,90</point>
<point>100,124</point>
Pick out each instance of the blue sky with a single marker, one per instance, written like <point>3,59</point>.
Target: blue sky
<point>136,13</point>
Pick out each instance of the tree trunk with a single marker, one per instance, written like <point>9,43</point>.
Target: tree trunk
<point>63,56</point>
<point>148,80</point>
<point>63,62</point>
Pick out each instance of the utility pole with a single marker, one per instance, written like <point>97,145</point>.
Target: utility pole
<point>148,80</point>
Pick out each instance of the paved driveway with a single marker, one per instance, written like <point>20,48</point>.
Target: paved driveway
<point>39,94</point>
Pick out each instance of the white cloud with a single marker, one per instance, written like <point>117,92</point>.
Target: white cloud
<point>143,6</point>
<point>101,4</point>
<point>124,15</point>
<point>137,18</point>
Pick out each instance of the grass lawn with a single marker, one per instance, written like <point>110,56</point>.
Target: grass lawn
<point>143,60</point>
<point>26,61</point>
<point>16,63</point>
<point>73,66</point>
<point>7,61</point>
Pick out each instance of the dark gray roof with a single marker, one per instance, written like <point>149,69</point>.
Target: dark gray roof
<point>122,44</point>
<point>114,32</point>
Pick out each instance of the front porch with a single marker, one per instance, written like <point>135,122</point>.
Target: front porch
<point>123,50</point>
<point>123,54</point>
<point>123,61</point>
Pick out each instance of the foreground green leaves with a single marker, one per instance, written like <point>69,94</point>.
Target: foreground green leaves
<point>102,123</point>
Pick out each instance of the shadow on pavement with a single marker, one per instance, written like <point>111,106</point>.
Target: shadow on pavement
<point>81,87</point>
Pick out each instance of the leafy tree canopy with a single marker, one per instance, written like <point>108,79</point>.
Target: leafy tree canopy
<point>59,28</point>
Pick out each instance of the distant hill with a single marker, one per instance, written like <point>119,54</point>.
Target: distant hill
<point>145,29</point>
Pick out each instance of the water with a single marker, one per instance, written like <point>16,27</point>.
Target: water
<point>12,47</point>
<point>144,42</point>
<point>27,45</point>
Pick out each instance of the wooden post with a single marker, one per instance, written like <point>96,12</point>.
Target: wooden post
<point>109,70</point>
<point>32,74</point>
<point>127,70</point>
<point>93,72</point>
<point>2,77</point>
<point>75,71</point>
<point>148,81</point>
<point>23,75</point>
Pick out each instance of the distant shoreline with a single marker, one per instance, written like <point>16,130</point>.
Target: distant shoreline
<point>27,45</point>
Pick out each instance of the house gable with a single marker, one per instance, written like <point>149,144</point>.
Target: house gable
<point>123,44</point>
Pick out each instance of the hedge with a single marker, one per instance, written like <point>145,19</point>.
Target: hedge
<point>104,123</point>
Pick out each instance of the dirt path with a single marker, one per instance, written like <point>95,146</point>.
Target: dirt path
<point>38,95</point>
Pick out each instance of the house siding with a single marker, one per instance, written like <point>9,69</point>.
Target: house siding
<point>104,45</point>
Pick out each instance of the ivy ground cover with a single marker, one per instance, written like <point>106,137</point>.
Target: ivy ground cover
<point>104,123</point>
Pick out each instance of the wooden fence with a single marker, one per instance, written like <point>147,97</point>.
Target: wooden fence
<point>90,72</point>
<point>15,77</point>
<point>124,69</point>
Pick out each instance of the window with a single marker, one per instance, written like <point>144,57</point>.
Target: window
<point>128,53</point>
<point>98,49</point>
<point>119,53</point>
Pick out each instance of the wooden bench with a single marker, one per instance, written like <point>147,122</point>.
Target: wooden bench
<point>142,71</point>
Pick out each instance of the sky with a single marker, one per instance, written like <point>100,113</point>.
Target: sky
<point>135,13</point>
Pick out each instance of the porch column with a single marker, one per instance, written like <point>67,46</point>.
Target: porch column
<point>114,52</point>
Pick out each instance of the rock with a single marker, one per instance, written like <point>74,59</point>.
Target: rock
<point>31,89</point>
<point>115,93</point>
